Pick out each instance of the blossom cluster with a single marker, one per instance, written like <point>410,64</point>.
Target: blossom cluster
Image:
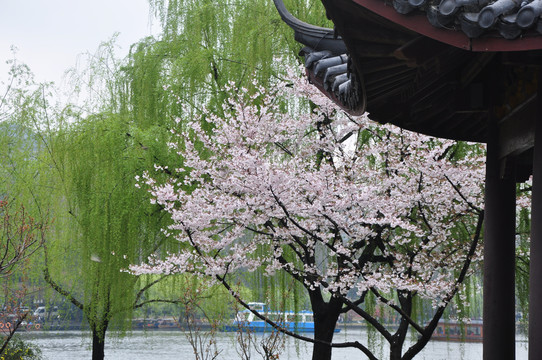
<point>337,202</point>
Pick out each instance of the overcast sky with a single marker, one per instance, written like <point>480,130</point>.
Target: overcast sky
<point>49,34</point>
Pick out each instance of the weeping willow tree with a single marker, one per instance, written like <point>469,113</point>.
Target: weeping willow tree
<point>22,171</point>
<point>103,221</point>
<point>78,164</point>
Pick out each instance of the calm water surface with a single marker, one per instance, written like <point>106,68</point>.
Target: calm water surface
<point>169,345</point>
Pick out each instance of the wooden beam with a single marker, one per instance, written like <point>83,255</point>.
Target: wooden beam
<point>517,129</point>
<point>499,255</point>
<point>535,271</point>
<point>418,51</point>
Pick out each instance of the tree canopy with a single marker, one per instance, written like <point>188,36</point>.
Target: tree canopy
<point>392,215</point>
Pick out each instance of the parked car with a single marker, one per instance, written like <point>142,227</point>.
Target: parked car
<point>41,313</point>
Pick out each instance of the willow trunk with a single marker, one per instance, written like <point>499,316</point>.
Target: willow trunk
<point>98,342</point>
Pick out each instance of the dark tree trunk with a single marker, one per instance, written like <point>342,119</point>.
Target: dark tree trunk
<point>398,339</point>
<point>396,345</point>
<point>323,330</point>
<point>326,316</point>
<point>98,341</point>
<point>395,351</point>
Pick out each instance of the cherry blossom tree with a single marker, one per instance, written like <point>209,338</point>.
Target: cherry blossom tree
<point>21,236</point>
<point>349,209</point>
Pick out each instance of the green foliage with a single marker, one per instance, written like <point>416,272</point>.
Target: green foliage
<point>105,222</point>
<point>18,349</point>
<point>81,169</point>
<point>205,45</point>
<point>194,297</point>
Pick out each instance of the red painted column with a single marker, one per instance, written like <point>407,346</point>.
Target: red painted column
<point>535,272</point>
<point>499,254</point>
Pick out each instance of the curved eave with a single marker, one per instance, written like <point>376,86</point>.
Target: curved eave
<point>418,22</point>
<point>318,38</point>
<point>297,24</point>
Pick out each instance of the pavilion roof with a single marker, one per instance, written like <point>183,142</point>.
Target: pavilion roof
<point>479,25</point>
<point>406,70</point>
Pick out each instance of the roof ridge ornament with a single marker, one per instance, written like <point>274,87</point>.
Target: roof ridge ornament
<point>488,15</point>
<point>528,14</point>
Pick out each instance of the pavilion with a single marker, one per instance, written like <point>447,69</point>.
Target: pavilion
<point>459,69</point>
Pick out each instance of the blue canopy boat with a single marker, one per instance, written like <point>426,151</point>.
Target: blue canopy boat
<point>298,322</point>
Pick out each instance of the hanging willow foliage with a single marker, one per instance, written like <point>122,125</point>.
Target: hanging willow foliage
<point>79,165</point>
<point>205,45</point>
<point>106,220</point>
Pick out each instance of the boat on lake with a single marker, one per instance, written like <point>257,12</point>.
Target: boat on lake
<point>452,330</point>
<point>297,322</point>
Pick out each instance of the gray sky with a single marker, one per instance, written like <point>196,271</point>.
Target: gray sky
<point>49,34</point>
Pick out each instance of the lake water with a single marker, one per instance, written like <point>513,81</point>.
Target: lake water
<point>170,345</point>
